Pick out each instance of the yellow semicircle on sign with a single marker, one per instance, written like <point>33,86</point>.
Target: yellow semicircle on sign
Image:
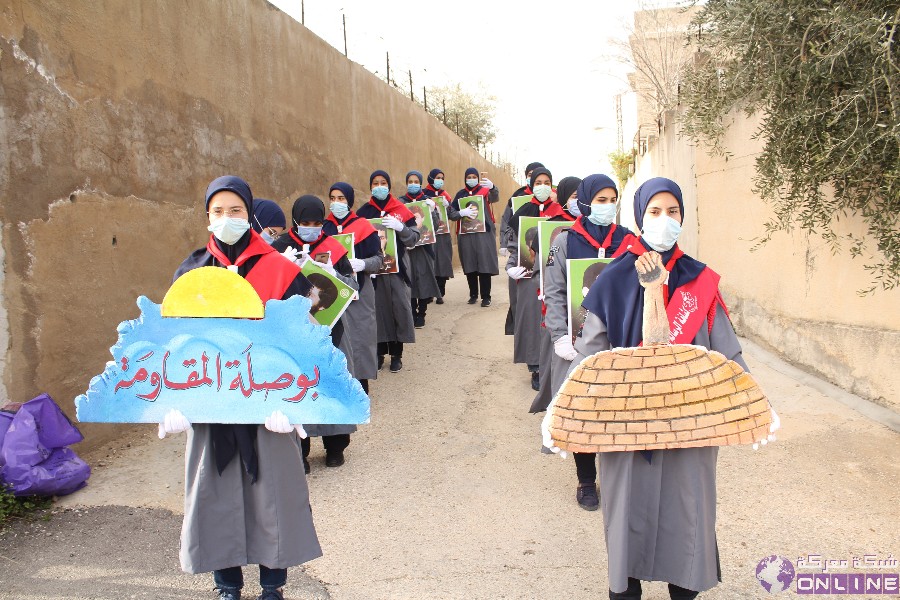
<point>212,292</point>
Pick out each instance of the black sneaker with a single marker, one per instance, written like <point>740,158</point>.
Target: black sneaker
<point>227,593</point>
<point>380,361</point>
<point>586,494</point>
<point>486,302</point>
<point>536,381</point>
<point>419,321</point>
<point>305,466</point>
<point>473,299</point>
<point>334,459</point>
<point>396,364</point>
<point>439,301</point>
<point>271,595</point>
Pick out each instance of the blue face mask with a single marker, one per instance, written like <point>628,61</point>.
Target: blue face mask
<point>603,214</point>
<point>308,234</point>
<point>438,184</point>
<point>471,182</point>
<point>339,209</point>
<point>380,192</point>
<point>573,207</point>
<point>413,188</point>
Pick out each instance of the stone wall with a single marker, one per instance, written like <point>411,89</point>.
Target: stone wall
<point>793,294</point>
<point>114,116</point>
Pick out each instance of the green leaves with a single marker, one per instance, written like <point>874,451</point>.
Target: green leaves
<point>826,77</point>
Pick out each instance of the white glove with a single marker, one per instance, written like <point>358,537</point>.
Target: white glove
<point>564,348</point>
<point>469,211</point>
<point>173,422</point>
<point>430,203</point>
<point>358,264</point>
<point>278,422</point>
<point>504,252</point>
<point>516,272</point>
<point>292,254</point>
<point>444,202</point>
<point>774,426</point>
<point>327,267</point>
<point>546,438</point>
<point>487,183</point>
<point>393,222</point>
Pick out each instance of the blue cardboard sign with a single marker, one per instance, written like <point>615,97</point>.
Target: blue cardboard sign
<point>225,370</point>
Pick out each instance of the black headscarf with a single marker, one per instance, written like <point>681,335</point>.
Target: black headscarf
<point>231,184</point>
<point>565,188</point>
<point>308,208</point>
<point>539,171</point>
<point>432,174</point>
<point>376,174</point>
<point>346,189</point>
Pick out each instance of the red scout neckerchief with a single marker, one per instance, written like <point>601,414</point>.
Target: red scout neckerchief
<point>270,276</point>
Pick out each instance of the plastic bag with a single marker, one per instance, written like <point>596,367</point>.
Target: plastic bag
<point>33,456</point>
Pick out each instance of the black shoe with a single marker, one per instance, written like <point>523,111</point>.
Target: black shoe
<point>473,299</point>
<point>305,466</point>
<point>439,301</point>
<point>536,381</point>
<point>380,361</point>
<point>486,302</point>
<point>419,321</point>
<point>586,494</point>
<point>227,593</point>
<point>396,364</point>
<point>271,595</point>
<point>334,459</point>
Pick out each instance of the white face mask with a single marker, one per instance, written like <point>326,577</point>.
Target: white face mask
<point>661,232</point>
<point>603,214</point>
<point>267,237</point>
<point>542,192</point>
<point>228,230</point>
<point>573,207</point>
<point>471,182</point>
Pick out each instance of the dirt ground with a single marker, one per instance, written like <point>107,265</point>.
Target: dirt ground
<point>446,495</point>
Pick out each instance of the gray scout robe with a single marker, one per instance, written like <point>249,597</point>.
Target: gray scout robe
<point>660,516</point>
<point>393,309</point>
<point>421,274</point>
<point>360,325</point>
<point>505,235</point>
<point>527,339</point>
<point>228,522</point>
<point>443,256</point>
<point>477,251</point>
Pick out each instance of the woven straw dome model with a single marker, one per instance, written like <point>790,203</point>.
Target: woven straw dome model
<point>656,398</point>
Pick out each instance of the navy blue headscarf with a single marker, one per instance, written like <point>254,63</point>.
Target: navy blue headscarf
<point>577,245</point>
<point>346,189</point>
<point>417,174</point>
<point>266,213</point>
<point>533,166</point>
<point>617,297</point>
<point>432,174</point>
<point>472,171</point>
<point>376,174</point>
<point>589,187</point>
<point>232,184</point>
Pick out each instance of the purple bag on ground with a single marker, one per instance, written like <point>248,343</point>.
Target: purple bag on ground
<point>33,458</point>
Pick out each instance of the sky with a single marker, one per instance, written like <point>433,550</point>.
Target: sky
<point>550,66</point>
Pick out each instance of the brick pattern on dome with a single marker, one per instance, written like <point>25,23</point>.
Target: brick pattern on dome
<point>658,397</point>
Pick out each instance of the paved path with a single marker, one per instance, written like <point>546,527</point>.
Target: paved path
<point>445,495</point>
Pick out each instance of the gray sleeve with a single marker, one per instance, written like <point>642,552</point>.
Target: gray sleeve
<point>452,213</point>
<point>374,263</point>
<point>505,230</point>
<point>351,281</point>
<point>409,236</point>
<point>494,195</point>
<point>512,244</point>
<point>723,339</point>
<point>593,339</point>
<point>556,291</point>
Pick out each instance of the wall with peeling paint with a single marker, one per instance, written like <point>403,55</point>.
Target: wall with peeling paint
<point>114,116</point>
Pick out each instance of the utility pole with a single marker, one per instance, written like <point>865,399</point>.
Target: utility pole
<point>411,97</point>
<point>388,54</point>
<point>444,113</point>
<point>425,97</point>
<point>344,17</point>
<point>303,12</point>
